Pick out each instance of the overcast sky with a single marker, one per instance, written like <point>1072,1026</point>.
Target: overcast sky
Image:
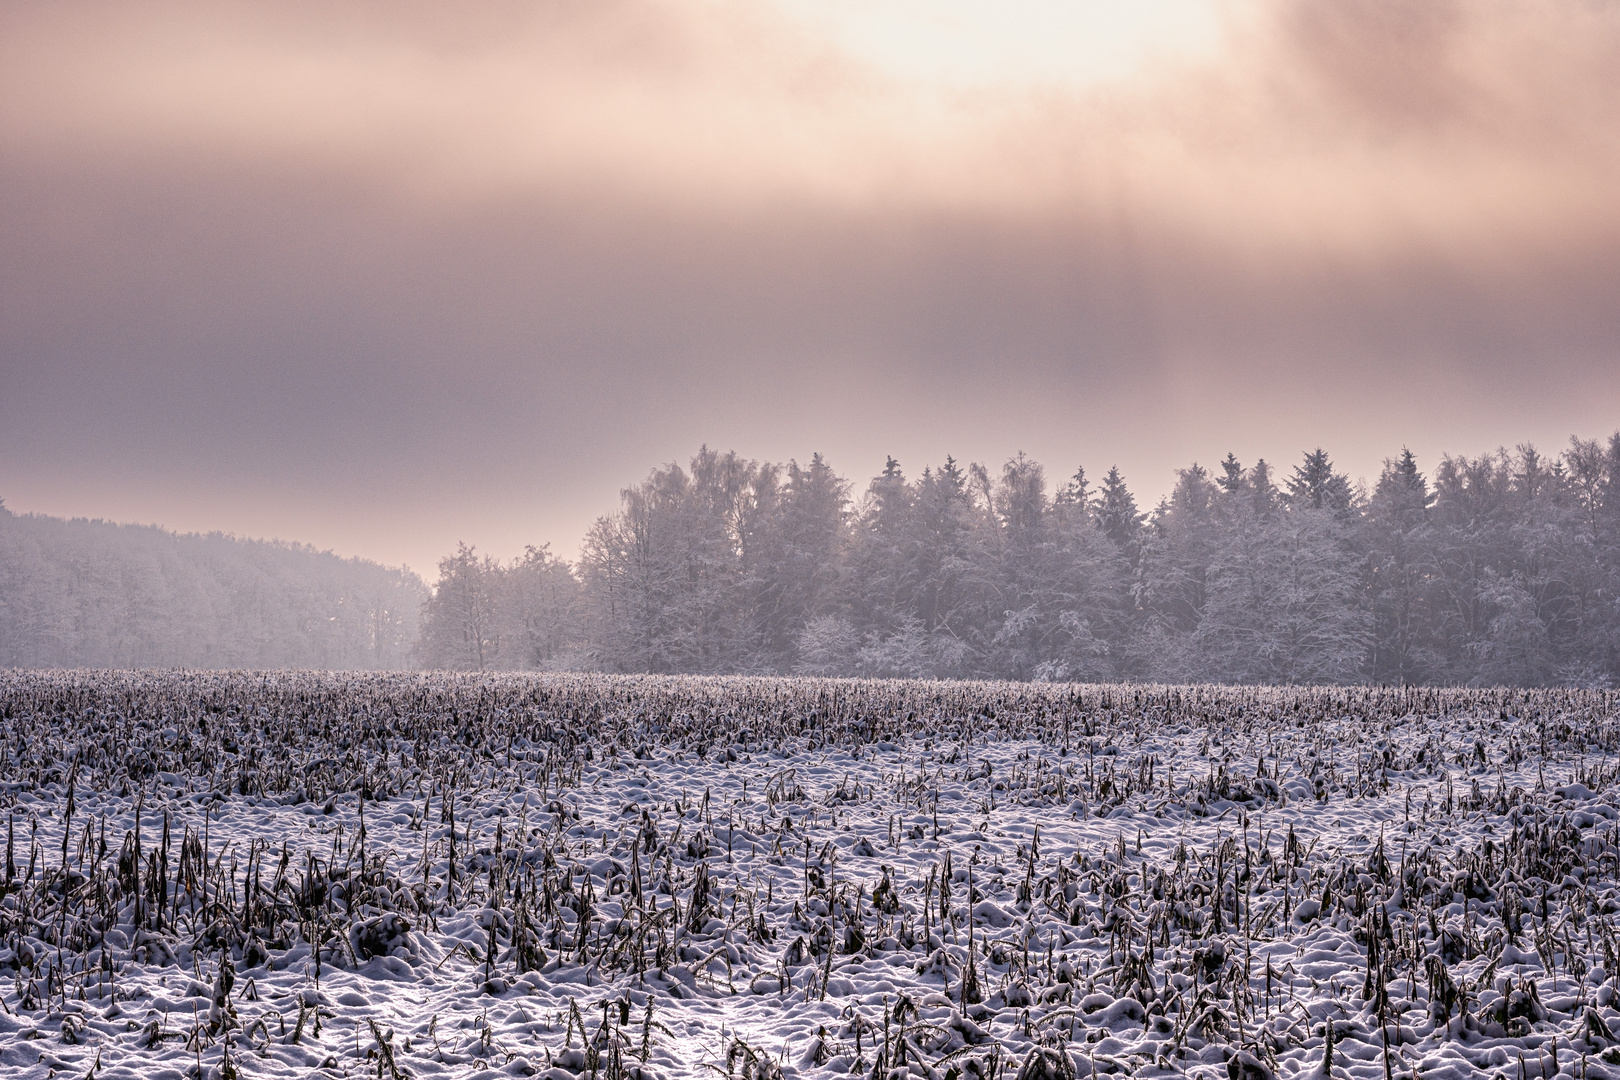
<point>385,277</point>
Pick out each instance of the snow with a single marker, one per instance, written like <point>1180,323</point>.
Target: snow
<point>1061,865</point>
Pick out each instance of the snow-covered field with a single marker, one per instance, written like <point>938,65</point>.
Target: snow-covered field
<point>429,875</point>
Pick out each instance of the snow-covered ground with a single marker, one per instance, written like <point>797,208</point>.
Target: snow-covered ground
<point>587,877</point>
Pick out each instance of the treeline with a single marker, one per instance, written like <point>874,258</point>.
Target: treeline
<point>1499,569</point>
<point>92,594</point>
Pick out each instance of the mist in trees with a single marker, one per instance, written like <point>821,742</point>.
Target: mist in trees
<point>92,594</point>
<point>1500,569</point>
<point>1497,569</point>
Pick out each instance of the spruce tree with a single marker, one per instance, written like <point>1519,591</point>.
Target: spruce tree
<point>1315,485</point>
<point>1116,513</point>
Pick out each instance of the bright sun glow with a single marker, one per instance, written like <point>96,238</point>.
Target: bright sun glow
<point>1027,41</point>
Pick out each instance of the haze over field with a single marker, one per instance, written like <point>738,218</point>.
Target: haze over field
<point>810,539</point>
<point>389,277</point>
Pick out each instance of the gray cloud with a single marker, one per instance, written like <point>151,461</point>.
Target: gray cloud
<point>387,282</point>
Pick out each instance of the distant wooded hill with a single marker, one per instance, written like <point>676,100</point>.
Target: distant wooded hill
<point>85,593</point>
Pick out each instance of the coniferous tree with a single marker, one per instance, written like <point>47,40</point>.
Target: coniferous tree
<point>1232,480</point>
<point>1117,515</point>
<point>951,562</point>
<point>1181,540</point>
<point>795,571</point>
<point>1025,564</point>
<point>1088,589</point>
<point>1400,574</point>
<point>1317,486</point>
<point>1230,641</point>
<point>882,580</point>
